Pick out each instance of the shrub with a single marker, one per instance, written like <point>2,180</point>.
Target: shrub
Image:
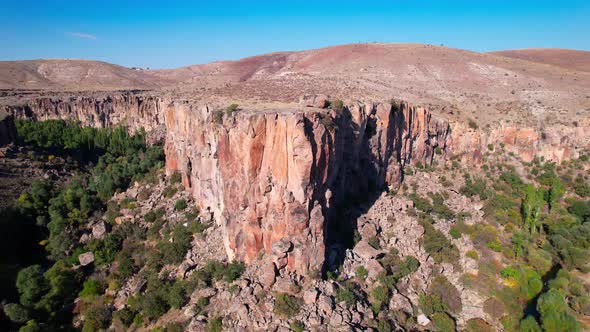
<point>472,254</point>
<point>472,124</point>
<point>31,326</point>
<point>374,242</point>
<point>125,316</point>
<point>217,116</point>
<point>169,191</point>
<point>153,215</point>
<point>362,272</point>
<point>455,233</point>
<point>231,109</point>
<point>478,325</point>
<point>555,315</point>
<point>202,302</point>
<point>153,305</point>
<point>447,292</point>
<point>176,295</point>
<point>16,312</point>
<point>31,284</point>
<point>443,322</point>
<point>379,298</point>
<point>337,105</point>
<point>495,245</point>
<point>214,325</point>
<point>346,293</point>
<point>287,305</point>
<point>176,177</point>
<point>439,207</point>
<point>180,204</point>
<point>174,327</point>
<point>174,252</point>
<point>96,317</point>
<point>529,324</point>
<point>431,304</point>
<point>472,188</point>
<point>438,246</point>
<point>92,287</point>
<point>297,326</point>
<point>233,271</point>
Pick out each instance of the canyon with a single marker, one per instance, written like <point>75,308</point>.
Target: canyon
<point>327,172</point>
<point>271,177</point>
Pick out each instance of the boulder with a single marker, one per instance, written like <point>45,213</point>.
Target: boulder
<point>281,247</point>
<point>401,303</point>
<point>310,296</point>
<point>325,304</point>
<point>317,101</point>
<point>286,285</point>
<point>423,320</point>
<point>99,230</point>
<point>364,250</point>
<point>268,274</point>
<point>86,258</point>
<point>374,268</point>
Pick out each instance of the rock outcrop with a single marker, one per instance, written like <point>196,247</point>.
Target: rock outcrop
<point>268,176</point>
<point>135,110</point>
<point>277,176</point>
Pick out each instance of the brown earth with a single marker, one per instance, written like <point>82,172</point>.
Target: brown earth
<point>74,75</point>
<point>272,171</point>
<point>569,59</point>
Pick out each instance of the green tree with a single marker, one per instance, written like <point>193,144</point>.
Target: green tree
<point>16,312</point>
<point>31,326</point>
<point>529,324</point>
<point>31,285</point>
<point>555,316</point>
<point>531,207</point>
<point>555,192</point>
<point>177,296</point>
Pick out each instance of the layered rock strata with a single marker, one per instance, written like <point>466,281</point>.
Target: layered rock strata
<point>128,108</point>
<point>272,178</point>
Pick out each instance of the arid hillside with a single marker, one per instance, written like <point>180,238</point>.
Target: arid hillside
<point>569,59</point>
<point>457,84</point>
<point>73,75</point>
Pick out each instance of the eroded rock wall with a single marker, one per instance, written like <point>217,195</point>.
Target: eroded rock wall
<point>555,142</point>
<point>133,110</point>
<point>271,178</point>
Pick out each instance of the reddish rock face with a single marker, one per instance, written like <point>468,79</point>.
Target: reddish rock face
<point>133,110</point>
<point>270,177</point>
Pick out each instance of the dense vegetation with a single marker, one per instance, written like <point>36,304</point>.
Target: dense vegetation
<point>540,226</point>
<point>45,222</point>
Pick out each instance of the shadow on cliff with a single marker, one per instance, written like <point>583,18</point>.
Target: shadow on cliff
<point>362,165</point>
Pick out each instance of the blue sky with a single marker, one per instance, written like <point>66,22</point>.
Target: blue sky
<point>167,34</point>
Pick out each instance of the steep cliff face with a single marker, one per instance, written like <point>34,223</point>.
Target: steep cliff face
<point>271,178</point>
<point>134,110</point>
<point>552,142</point>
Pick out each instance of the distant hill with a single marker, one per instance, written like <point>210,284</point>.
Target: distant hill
<point>569,59</point>
<point>488,87</point>
<point>73,75</point>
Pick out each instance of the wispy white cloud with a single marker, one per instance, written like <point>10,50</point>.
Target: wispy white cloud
<point>82,35</point>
